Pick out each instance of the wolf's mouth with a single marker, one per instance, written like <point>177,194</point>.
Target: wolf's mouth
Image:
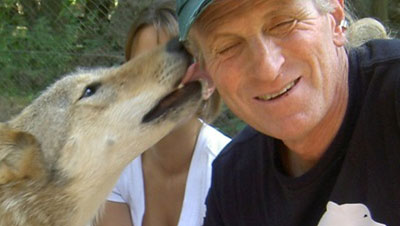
<point>173,100</point>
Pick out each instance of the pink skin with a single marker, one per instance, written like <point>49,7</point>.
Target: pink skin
<point>195,73</point>
<point>260,48</point>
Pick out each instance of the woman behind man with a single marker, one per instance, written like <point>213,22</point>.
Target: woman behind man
<point>166,185</point>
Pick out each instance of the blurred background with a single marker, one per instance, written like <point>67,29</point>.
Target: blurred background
<point>41,40</point>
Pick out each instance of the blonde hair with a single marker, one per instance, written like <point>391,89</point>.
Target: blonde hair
<point>364,30</point>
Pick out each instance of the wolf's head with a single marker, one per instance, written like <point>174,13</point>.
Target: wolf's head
<point>92,123</point>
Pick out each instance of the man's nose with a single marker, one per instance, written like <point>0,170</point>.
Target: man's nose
<point>267,59</point>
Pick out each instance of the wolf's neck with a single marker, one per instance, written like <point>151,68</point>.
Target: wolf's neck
<point>90,195</point>
<point>47,203</point>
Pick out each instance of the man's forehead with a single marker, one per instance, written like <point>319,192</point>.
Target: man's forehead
<point>223,11</point>
<point>190,11</point>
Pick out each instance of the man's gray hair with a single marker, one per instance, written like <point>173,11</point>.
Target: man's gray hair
<point>324,5</point>
<point>358,31</point>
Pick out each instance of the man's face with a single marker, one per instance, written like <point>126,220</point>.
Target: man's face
<point>275,63</point>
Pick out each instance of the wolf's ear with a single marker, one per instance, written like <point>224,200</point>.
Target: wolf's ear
<point>20,156</point>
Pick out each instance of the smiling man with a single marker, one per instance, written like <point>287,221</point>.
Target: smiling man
<point>324,120</point>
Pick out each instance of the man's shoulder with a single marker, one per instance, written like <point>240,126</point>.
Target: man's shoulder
<point>379,51</point>
<point>374,79</point>
<point>374,67</point>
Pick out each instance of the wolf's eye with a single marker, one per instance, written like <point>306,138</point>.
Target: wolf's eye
<point>90,90</point>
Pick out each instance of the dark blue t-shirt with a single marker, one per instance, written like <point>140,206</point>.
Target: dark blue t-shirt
<point>357,180</point>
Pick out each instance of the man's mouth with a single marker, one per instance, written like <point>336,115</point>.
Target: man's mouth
<point>283,91</point>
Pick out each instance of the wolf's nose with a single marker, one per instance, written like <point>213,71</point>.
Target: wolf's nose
<point>174,46</point>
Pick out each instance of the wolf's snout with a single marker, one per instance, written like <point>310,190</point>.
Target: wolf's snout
<point>174,46</point>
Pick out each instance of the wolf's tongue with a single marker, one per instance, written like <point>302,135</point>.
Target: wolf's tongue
<point>194,73</point>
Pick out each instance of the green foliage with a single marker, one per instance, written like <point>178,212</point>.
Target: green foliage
<point>39,44</point>
<point>36,49</point>
<point>228,123</point>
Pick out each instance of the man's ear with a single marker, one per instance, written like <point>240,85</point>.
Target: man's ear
<point>20,156</point>
<point>339,22</point>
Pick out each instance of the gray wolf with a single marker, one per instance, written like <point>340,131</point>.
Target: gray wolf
<point>61,156</point>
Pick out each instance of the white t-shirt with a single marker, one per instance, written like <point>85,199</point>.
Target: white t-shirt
<point>130,187</point>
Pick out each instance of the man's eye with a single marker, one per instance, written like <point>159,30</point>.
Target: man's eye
<point>284,26</point>
<point>227,49</point>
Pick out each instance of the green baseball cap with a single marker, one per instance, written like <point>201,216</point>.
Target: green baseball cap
<point>188,11</point>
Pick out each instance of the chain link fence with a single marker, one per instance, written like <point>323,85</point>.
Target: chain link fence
<point>41,40</point>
